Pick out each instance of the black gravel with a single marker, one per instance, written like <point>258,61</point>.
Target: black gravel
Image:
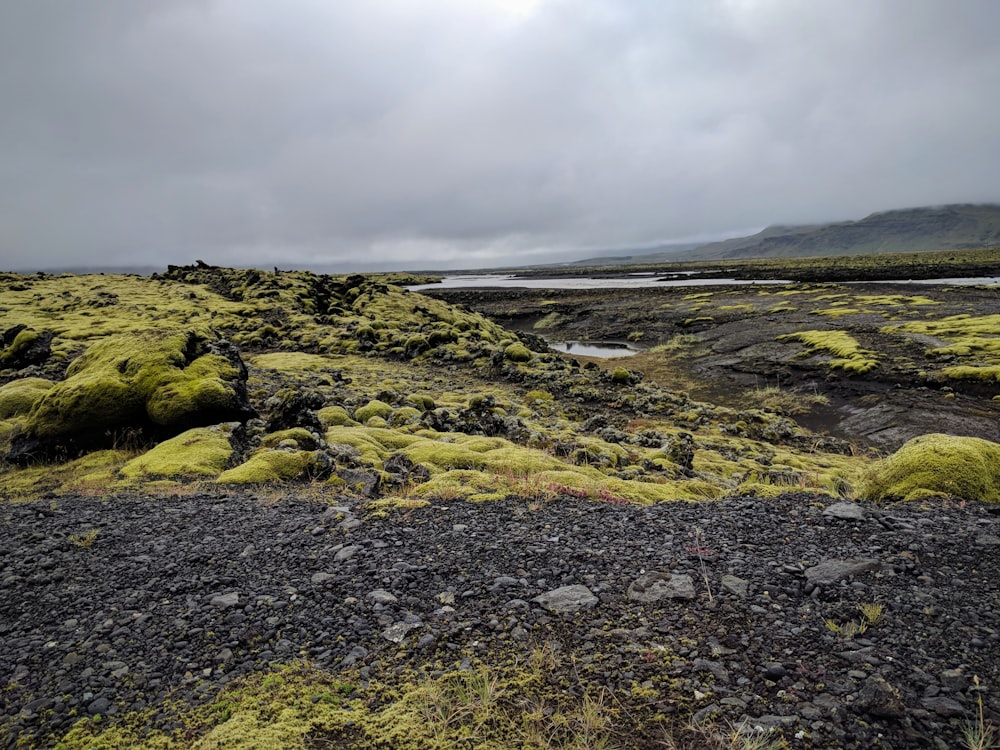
<point>178,596</point>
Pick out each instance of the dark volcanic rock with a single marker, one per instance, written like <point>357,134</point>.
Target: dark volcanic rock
<point>178,596</point>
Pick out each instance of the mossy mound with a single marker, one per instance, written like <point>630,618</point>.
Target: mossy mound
<point>937,465</point>
<point>172,381</point>
<point>200,452</point>
<point>18,396</point>
<point>277,466</point>
<point>21,346</point>
<point>373,408</point>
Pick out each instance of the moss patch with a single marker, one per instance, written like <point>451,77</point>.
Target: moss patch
<point>200,452</point>
<point>274,466</point>
<point>169,379</point>
<point>18,396</point>
<point>849,355</point>
<point>936,465</point>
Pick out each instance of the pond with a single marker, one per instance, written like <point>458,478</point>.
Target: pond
<point>593,348</point>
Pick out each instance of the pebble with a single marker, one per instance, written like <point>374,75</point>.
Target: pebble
<point>234,586</point>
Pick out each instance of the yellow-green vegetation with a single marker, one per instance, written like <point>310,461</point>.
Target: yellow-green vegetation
<point>486,707</point>
<point>974,339</point>
<point>18,396</point>
<point>334,415</point>
<point>345,347</point>
<point>22,341</point>
<point>784,401</point>
<point>275,465</point>
<point>84,540</point>
<point>518,353</point>
<point>872,614</point>
<point>373,408</point>
<point>849,356</point>
<point>133,378</point>
<point>199,452</point>
<point>936,465</point>
<point>94,473</point>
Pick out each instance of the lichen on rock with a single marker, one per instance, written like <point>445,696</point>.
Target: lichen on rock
<point>937,465</point>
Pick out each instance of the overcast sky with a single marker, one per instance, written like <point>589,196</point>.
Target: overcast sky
<point>465,133</point>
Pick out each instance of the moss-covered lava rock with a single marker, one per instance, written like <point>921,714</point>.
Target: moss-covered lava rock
<point>162,381</point>
<point>199,452</point>
<point>937,465</point>
<point>18,396</point>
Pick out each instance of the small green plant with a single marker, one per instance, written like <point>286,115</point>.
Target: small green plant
<point>872,613</point>
<point>979,734</point>
<point>85,540</point>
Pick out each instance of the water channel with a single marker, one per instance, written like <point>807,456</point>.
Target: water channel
<point>638,281</point>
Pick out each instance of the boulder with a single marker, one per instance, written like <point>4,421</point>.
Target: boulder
<point>567,599</point>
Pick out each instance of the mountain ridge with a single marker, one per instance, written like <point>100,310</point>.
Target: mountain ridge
<point>958,226</point>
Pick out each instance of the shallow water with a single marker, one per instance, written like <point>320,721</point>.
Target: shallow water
<point>633,281</point>
<point>593,348</point>
<point>623,282</point>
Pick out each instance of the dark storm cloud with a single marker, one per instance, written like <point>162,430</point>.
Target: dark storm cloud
<point>410,134</point>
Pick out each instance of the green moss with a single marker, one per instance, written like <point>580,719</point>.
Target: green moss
<point>304,439</point>
<point>125,380</point>
<point>293,362</point>
<point>21,342</point>
<point>373,408</point>
<point>517,353</point>
<point>18,396</point>
<point>330,416</point>
<point>620,376</point>
<point>272,466</point>
<point>969,372</point>
<point>537,396</point>
<point>200,452</point>
<point>552,320</point>
<point>422,401</point>
<point>937,465</point>
<point>406,415</point>
<point>94,473</point>
<point>849,355</point>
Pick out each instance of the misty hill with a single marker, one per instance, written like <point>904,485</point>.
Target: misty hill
<point>953,227</point>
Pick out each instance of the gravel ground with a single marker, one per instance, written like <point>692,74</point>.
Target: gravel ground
<point>718,609</point>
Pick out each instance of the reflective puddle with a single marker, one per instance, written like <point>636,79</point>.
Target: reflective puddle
<point>593,348</point>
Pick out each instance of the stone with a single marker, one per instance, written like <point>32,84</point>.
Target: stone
<point>735,585</point>
<point>346,553</point>
<point>846,511</point>
<point>225,601</point>
<point>381,596</point>
<point>774,671</point>
<point>833,570</point>
<point>567,599</point>
<point>99,706</point>
<point>878,698</point>
<point>397,632</point>
<point>943,706</point>
<point>655,586</point>
<point>321,577</point>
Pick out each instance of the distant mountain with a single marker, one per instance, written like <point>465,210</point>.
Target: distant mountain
<point>954,227</point>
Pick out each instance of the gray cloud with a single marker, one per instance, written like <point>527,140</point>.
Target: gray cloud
<point>412,134</point>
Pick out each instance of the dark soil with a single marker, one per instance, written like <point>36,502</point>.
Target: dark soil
<point>175,597</point>
<point>736,350</point>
